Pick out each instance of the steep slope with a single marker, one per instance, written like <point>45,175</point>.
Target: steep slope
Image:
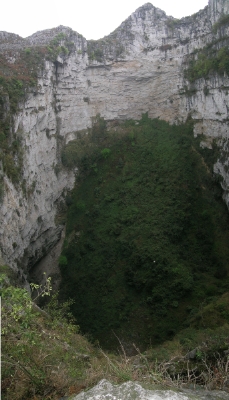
<point>147,233</point>
<point>138,68</point>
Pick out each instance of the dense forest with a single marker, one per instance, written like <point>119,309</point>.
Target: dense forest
<point>147,233</point>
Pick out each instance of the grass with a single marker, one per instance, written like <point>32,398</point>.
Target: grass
<point>44,357</point>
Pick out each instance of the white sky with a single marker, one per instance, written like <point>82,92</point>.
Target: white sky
<point>92,18</point>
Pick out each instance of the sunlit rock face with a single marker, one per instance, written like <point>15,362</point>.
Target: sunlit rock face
<point>138,68</point>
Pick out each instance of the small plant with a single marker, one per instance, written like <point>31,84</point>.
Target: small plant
<point>105,153</point>
<point>36,343</point>
<point>172,23</point>
<point>27,51</point>
<point>59,46</point>
<point>41,290</point>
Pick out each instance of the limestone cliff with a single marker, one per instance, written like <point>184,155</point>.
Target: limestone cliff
<point>138,68</point>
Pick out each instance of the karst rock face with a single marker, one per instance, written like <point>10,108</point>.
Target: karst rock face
<point>138,68</point>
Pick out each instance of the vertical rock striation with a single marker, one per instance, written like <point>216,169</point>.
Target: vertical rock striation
<point>136,69</point>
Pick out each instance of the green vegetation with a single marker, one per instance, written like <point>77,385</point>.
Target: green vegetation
<point>15,80</point>
<point>147,232</point>
<point>95,51</point>
<point>145,258</point>
<point>172,23</point>
<point>223,22</point>
<point>7,149</point>
<point>44,357</point>
<point>60,45</point>
<point>204,361</point>
<point>36,344</point>
<point>83,149</point>
<point>12,158</point>
<point>105,153</point>
<point>209,60</point>
<point>108,45</point>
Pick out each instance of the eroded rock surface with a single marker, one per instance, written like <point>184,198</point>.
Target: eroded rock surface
<point>138,68</point>
<point>130,390</point>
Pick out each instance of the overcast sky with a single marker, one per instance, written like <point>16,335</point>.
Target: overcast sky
<point>92,18</point>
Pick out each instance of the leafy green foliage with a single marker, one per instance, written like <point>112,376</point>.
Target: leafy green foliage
<point>105,153</point>
<point>108,45</point>
<point>209,60</point>
<point>12,157</point>
<point>84,152</point>
<point>15,79</point>
<point>222,22</point>
<point>172,23</point>
<point>41,290</point>
<point>143,232</point>
<point>43,357</point>
<point>11,152</point>
<point>35,344</point>
<point>14,88</point>
<point>60,45</point>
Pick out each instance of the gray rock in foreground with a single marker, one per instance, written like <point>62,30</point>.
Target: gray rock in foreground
<point>130,390</point>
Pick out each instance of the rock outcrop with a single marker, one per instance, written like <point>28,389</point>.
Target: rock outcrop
<point>136,69</point>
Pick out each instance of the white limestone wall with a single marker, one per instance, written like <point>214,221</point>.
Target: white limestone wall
<point>148,77</point>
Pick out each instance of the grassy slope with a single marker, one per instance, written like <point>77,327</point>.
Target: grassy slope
<point>147,233</point>
<point>44,358</point>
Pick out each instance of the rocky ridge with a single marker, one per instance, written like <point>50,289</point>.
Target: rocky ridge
<point>136,69</point>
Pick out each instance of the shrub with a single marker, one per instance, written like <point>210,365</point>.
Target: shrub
<point>172,23</point>
<point>224,20</point>
<point>105,153</point>
<point>35,344</point>
<point>209,60</point>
